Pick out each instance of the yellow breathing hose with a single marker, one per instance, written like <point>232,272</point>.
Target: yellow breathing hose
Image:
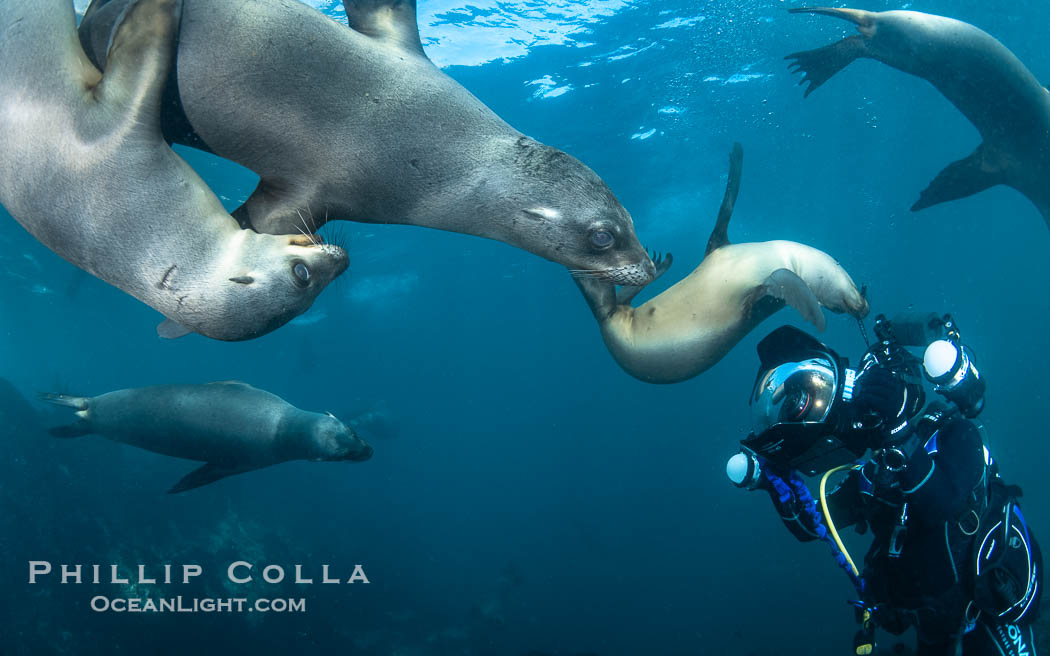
<point>827,515</point>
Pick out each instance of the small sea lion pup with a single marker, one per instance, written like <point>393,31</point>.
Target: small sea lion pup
<point>689,327</point>
<point>979,75</point>
<point>231,426</point>
<point>356,123</point>
<point>85,169</point>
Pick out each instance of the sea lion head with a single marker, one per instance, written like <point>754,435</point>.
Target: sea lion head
<point>329,439</point>
<point>564,212</point>
<point>833,287</point>
<point>268,280</point>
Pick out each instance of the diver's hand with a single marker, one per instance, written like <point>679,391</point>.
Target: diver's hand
<point>882,394</point>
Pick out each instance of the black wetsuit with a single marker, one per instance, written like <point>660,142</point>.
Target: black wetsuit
<point>919,572</point>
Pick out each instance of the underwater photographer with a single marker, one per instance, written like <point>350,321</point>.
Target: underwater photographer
<point>951,553</point>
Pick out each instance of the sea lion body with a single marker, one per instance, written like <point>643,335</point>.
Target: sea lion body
<point>689,327</point>
<point>358,124</point>
<point>87,172</point>
<point>232,426</point>
<point>976,73</point>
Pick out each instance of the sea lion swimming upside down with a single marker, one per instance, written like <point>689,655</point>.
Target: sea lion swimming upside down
<point>689,327</point>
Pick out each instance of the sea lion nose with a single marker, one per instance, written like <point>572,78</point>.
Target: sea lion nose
<point>362,455</point>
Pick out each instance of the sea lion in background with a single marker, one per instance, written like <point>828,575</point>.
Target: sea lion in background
<point>85,169</point>
<point>976,73</point>
<point>690,326</point>
<point>231,426</point>
<point>356,123</point>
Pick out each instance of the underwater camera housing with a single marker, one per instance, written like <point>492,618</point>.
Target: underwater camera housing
<point>811,449</point>
<point>946,362</point>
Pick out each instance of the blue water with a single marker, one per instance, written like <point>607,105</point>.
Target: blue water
<point>536,499</point>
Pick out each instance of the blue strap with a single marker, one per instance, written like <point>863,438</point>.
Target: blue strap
<point>795,488</point>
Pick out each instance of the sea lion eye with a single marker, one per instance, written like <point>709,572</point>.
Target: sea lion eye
<point>602,239</point>
<point>302,273</point>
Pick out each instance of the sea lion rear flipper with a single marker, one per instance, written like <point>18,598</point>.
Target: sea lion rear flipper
<point>819,65</point>
<point>720,235</point>
<point>138,59</point>
<point>208,473</point>
<point>393,21</point>
<point>169,329</point>
<point>626,294</point>
<point>784,285</point>
<point>960,179</point>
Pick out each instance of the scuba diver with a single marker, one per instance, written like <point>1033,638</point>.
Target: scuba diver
<point>951,553</point>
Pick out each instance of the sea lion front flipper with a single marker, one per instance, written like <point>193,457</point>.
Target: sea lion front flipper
<point>169,329</point>
<point>819,65</point>
<point>784,285</point>
<point>96,27</point>
<point>393,21</point>
<point>208,473</point>
<point>960,179</point>
<point>661,262</point>
<point>139,57</point>
<point>720,235</point>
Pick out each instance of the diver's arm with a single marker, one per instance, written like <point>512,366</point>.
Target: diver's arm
<point>843,503</point>
<point>937,486</point>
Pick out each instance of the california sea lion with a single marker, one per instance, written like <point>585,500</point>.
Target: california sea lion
<point>689,327</point>
<point>85,169</point>
<point>231,426</point>
<point>979,75</point>
<point>356,123</point>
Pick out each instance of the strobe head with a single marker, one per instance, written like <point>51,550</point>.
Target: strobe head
<point>744,470</point>
<point>951,370</point>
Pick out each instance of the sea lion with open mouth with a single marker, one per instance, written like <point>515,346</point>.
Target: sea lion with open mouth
<point>356,123</point>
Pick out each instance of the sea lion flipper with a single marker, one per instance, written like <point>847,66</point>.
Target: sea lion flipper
<point>208,473</point>
<point>169,329</point>
<point>138,59</point>
<point>959,179</point>
<point>785,285</point>
<point>819,65</point>
<point>393,21</point>
<point>720,235</point>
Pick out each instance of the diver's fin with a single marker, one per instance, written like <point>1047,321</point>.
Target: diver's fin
<point>785,286</point>
<point>169,329</point>
<point>720,235</point>
<point>208,473</point>
<point>138,59</point>
<point>393,21</point>
<point>626,294</point>
<point>819,65</point>
<point>960,179</point>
